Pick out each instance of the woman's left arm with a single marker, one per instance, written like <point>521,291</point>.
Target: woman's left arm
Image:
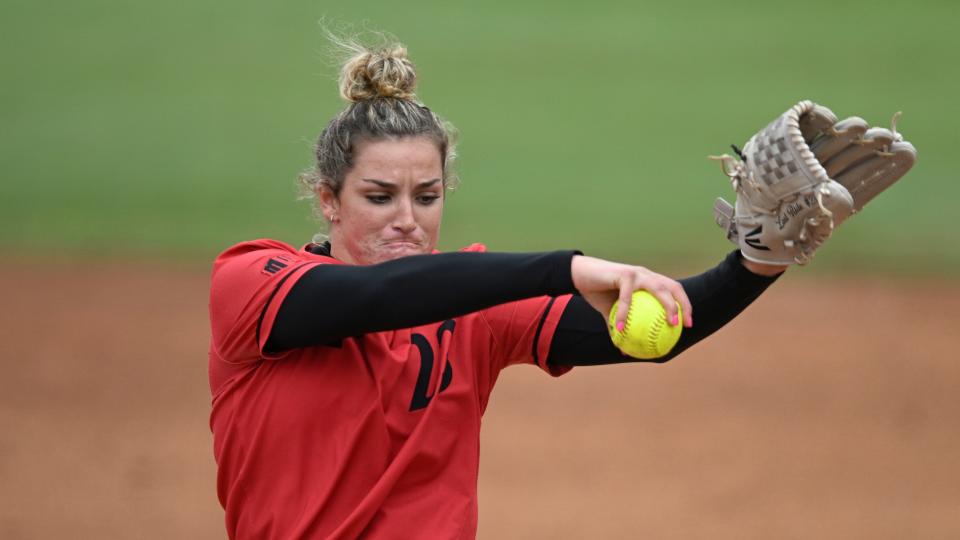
<point>717,296</point>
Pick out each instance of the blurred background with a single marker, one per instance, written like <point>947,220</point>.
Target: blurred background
<point>139,139</point>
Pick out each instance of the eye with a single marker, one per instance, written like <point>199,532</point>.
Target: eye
<point>427,198</point>
<point>378,198</point>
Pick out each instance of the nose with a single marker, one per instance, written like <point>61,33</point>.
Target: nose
<point>404,220</point>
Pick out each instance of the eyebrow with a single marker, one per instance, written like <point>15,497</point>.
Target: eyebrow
<point>390,185</point>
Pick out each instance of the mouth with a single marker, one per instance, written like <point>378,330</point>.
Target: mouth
<point>395,249</point>
<point>402,244</point>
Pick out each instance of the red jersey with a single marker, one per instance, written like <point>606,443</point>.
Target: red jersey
<point>376,436</point>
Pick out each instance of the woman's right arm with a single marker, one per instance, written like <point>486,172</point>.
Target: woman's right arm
<point>332,301</point>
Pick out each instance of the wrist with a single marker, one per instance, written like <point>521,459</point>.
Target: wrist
<point>763,269</point>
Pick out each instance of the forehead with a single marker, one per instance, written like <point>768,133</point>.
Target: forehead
<point>415,158</point>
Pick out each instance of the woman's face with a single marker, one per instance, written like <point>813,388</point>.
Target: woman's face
<point>390,204</point>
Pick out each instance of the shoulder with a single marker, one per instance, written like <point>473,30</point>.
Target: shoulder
<point>258,262</point>
<point>253,249</point>
<point>265,249</point>
<point>474,248</point>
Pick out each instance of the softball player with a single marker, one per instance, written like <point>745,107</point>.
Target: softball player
<point>349,376</point>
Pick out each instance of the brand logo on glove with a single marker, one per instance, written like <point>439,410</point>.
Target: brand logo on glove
<point>752,239</point>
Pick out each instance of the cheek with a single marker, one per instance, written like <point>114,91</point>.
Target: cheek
<point>367,221</point>
<point>431,218</point>
<point>361,229</point>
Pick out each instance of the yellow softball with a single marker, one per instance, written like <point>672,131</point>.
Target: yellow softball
<point>646,334</point>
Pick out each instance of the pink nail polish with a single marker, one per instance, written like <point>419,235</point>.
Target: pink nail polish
<point>674,321</point>
<point>619,327</point>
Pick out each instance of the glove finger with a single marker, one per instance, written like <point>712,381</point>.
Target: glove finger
<point>871,177</point>
<point>816,121</point>
<point>839,138</point>
<point>873,140</point>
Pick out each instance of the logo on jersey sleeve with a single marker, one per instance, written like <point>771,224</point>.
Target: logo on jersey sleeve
<point>275,264</point>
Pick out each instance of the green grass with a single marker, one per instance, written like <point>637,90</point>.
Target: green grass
<point>175,129</point>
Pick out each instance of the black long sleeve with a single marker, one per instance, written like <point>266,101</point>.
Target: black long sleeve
<point>717,296</point>
<point>331,301</point>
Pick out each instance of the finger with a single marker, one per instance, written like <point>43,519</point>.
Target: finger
<point>623,306</point>
<point>816,122</point>
<point>839,138</point>
<point>665,297</point>
<point>873,140</point>
<point>686,308</point>
<point>870,177</point>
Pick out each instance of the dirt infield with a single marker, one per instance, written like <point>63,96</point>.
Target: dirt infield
<point>828,410</point>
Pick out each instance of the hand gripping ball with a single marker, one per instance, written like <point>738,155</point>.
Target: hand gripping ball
<point>646,334</point>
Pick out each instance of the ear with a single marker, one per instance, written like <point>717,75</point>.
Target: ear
<point>329,203</point>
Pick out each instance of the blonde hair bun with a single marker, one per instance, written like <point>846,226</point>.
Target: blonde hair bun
<point>382,73</point>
